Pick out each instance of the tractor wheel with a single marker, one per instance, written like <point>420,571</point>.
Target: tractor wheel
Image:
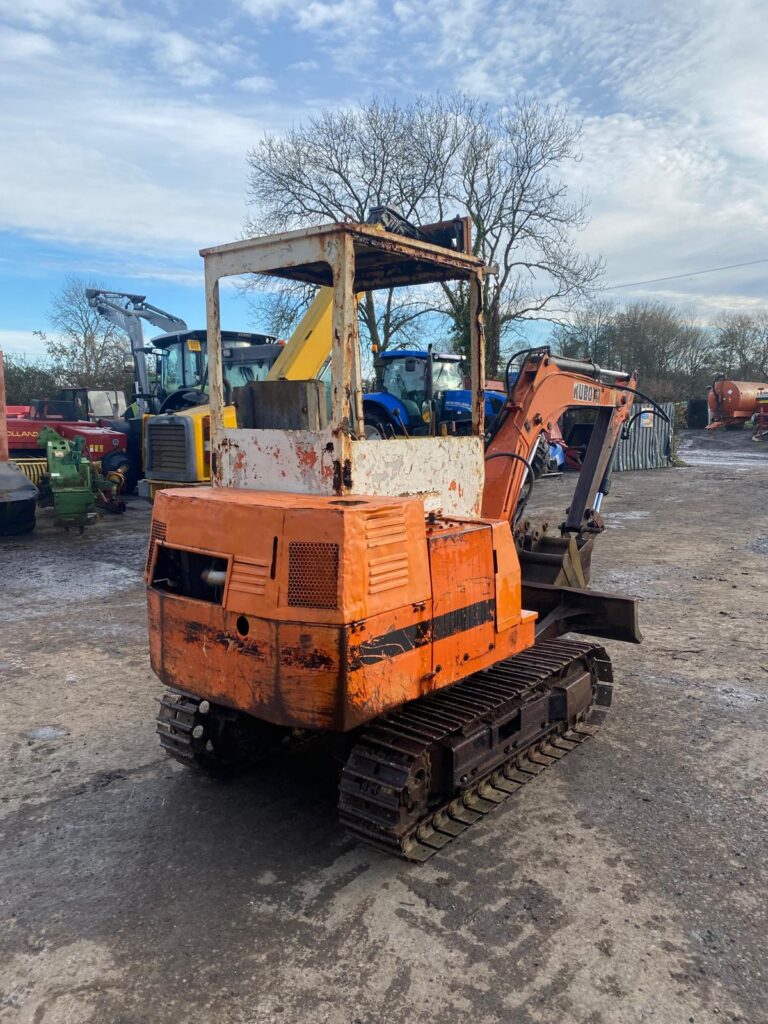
<point>375,428</point>
<point>119,462</point>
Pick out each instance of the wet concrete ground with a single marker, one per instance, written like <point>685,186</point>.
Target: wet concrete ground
<point>628,884</point>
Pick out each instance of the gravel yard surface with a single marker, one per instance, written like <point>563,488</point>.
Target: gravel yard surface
<point>628,884</point>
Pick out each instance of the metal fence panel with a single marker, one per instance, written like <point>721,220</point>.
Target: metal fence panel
<point>649,445</point>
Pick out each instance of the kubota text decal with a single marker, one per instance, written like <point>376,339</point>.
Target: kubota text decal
<point>586,393</point>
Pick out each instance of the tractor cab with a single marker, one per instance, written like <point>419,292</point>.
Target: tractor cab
<point>95,403</point>
<point>413,385</point>
<point>421,393</point>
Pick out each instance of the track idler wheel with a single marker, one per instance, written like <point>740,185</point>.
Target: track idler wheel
<point>212,738</point>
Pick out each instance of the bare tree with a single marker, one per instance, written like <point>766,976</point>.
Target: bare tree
<point>742,344</point>
<point>672,353</point>
<point>88,350</point>
<point>590,334</point>
<point>432,159</point>
<point>524,219</point>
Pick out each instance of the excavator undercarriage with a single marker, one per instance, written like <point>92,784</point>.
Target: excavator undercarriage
<point>419,776</point>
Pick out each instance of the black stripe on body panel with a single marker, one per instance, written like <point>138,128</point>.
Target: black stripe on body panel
<point>461,619</point>
<point>400,641</point>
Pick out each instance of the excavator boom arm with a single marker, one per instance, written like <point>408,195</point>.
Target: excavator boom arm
<point>127,311</point>
<point>544,390</point>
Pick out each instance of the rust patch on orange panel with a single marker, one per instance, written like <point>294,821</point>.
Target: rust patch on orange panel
<point>198,633</point>
<point>281,673</point>
<point>373,689</point>
<point>463,605</point>
<point>306,655</point>
<point>387,659</point>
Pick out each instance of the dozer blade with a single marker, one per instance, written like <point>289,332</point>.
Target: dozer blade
<point>573,610</point>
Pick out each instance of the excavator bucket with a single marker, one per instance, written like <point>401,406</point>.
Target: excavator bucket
<point>560,561</point>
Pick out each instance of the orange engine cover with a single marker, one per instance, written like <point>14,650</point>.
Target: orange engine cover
<point>321,613</point>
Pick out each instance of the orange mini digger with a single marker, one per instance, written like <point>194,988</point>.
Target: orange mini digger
<point>387,590</point>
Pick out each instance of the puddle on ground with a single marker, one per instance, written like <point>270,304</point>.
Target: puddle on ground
<point>45,732</point>
<point>693,455</point>
<point>618,519</point>
<point>60,582</point>
<point>734,696</point>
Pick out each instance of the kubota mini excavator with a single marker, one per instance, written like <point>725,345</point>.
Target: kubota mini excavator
<point>388,592</point>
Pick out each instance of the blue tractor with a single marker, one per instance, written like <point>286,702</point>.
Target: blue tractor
<point>420,393</point>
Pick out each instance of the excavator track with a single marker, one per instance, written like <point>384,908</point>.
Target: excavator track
<point>216,739</point>
<point>420,776</point>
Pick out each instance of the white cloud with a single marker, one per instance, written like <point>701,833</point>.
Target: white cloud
<point>181,57</point>
<point>356,17</point>
<point>269,10</point>
<point>339,16</point>
<point>24,46</point>
<point>44,13</point>
<point>676,128</point>
<point>90,157</point>
<point>22,343</point>
<point>256,83</point>
<point>102,147</point>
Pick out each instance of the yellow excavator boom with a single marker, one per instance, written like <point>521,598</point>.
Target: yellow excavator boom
<point>308,348</point>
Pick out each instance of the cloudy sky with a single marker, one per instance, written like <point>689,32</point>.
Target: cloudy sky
<point>125,126</point>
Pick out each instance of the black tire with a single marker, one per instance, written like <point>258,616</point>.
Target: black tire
<point>121,462</point>
<point>376,428</point>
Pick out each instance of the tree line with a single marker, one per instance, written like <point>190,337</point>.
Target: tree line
<point>676,356</point>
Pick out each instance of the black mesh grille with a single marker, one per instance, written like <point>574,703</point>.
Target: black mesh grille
<point>167,446</point>
<point>313,575</point>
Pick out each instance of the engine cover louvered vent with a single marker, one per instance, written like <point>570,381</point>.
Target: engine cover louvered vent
<point>386,571</point>
<point>167,441</point>
<point>248,577</point>
<point>157,532</point>
<point>313,574</point>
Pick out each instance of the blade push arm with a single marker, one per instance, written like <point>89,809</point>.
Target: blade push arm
<point>545,388</point>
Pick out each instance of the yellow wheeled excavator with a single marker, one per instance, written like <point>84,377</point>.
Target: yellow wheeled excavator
<point>390,593</point>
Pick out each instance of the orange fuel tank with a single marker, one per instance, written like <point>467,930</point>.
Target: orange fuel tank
<point>732,402</point>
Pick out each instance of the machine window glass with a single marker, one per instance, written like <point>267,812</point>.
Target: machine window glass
<point>240,375</point>
<point>192,365</point>
<point>173,372</point>
<point>406,379</point>
<point>447,375</point>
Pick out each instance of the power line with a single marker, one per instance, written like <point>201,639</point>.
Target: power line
<point>691,273</point>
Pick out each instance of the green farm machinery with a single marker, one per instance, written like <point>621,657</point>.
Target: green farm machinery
<point>74,488</point>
